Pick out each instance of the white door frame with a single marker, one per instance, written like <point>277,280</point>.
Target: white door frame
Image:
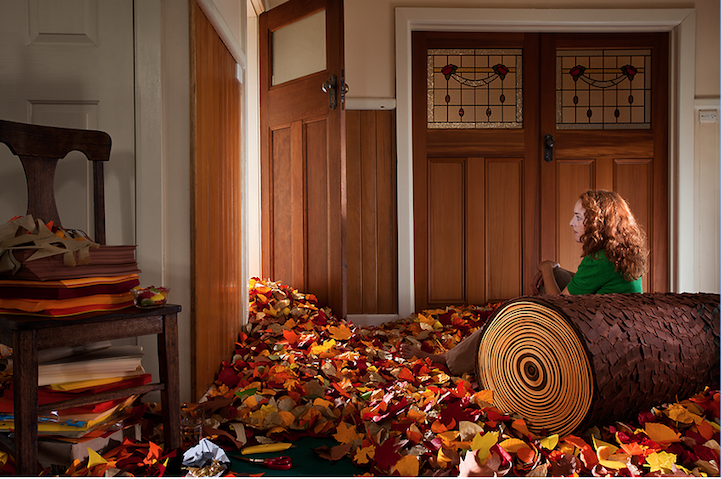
<point>682,25</point>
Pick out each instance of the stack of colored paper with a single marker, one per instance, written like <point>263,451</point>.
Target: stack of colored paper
<point>99,368</point>
<point>66,297</point>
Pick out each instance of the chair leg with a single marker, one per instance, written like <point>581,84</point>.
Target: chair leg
<point>170,376</point>
<point>25,398</point>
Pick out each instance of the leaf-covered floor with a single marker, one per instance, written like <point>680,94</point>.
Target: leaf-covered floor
<point>299,371</point>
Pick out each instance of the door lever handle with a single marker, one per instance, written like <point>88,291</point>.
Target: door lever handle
<point>548,144</point>
<point>329,86</point>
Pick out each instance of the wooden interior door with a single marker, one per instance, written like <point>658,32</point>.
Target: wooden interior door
<point>487,206</point>
<point>303,169</point>
<point>475,189</point>
<point>627,153</point>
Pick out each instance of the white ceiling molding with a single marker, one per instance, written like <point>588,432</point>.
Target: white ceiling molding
<point>221,27</point>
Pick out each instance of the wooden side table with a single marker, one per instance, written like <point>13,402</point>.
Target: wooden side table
<point>29,334</point>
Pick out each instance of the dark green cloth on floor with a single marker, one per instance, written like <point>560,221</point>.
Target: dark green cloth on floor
<point>306,462</point>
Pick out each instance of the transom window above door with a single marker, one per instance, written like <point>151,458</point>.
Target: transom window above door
<point>603,89</point>
<point>475,88</point>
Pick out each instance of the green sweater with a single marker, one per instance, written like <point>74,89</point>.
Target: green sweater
<point>597,275</point>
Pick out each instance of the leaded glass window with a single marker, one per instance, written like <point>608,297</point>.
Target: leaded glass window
<point>603,89</point>
<point>475,88</point>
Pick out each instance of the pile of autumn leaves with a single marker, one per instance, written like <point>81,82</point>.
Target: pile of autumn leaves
<point>299,370</point>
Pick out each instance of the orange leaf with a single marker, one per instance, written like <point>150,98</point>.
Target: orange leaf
<point>406,375</point>
<point>661,434</point>
<point>525,455</point>
<point>632,449</point>
<point>408,466</point>
<point>340,333</point>
<point>588,457</point>
<point>414,434</point>
<point>705,429</point>
<point>346,434</point>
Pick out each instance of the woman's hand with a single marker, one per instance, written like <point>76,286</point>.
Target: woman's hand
<point>545,269</point>
<point>551,265</point>
<point>469,466</point>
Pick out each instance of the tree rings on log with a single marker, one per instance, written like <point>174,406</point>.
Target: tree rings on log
<point>565,362</point>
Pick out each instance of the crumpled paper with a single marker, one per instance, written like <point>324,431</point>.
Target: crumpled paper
<point>205,460</point>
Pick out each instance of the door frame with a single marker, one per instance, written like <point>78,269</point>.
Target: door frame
<point>680,22</point>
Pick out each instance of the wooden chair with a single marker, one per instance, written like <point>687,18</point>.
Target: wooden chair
<point>39,149</point>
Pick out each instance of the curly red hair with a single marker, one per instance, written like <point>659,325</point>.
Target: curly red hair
<point>611,226</point>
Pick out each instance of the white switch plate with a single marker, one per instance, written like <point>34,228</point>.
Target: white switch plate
<point>708,116</point>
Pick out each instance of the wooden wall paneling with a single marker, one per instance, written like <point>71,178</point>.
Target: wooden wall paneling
<point>217,284</point>
<point>446,230</point>
<point>503,229</point>
<point>387,219</point>
<point>372,221</point>
<point>369,217</point>
<point>353,220</point>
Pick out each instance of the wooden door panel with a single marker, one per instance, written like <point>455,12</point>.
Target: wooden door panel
<point>634,181</point>
<point>446,220</point>
<point>503,229</point>
<point>317,186</point>
<point>573,177</point>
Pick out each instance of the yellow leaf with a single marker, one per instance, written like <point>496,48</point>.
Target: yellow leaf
<point>346,434</point>
<point>512,445</point>
<point>612,464</point>
<point>443,459</point>
<point>448,437</point>
<point>94,459</point>
<point>484,444</point>
<point>678,413</point>
<point>425,319</point>
<point>323,347</point>
<point>550,442</point>
<point>408,466</point>
<point>661,434</point>
<point>660,461</point>
<point>598,444</point>
<point>341,333</point>
<point>363,455</point>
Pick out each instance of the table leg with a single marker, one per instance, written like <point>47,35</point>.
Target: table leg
<point>25,398</point>
<point>170,375</point>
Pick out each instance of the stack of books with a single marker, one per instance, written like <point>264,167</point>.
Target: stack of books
<point>81,372</point>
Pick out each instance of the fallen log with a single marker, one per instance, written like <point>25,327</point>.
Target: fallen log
<point>565,362</point>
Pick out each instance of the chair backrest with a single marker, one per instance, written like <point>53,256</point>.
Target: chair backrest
<point>39,149</point>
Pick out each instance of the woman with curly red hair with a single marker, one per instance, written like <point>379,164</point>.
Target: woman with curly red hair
<point>614,259</point>
<point>614,249</point>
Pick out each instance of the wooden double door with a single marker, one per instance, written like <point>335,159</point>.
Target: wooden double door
<point>508,130</point>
